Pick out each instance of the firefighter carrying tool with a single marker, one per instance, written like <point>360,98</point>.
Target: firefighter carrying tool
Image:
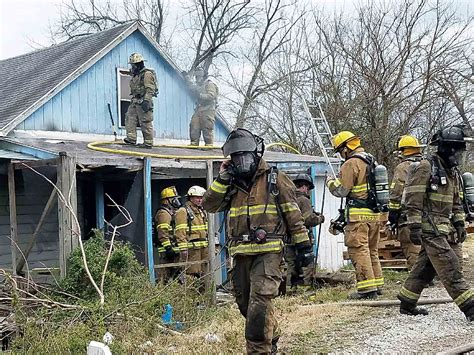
<point>365,186</point>
<point>433,205</point>
<point>263,216</point>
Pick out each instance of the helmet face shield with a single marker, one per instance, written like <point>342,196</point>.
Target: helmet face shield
<point>239,145</point>
<point>244,165</point>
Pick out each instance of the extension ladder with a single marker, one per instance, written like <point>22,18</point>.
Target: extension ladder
<point>322,132</point>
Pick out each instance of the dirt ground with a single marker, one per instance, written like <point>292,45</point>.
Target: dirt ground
<point>313,322</point>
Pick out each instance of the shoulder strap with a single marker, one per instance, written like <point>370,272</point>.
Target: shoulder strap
<point>190,218</point>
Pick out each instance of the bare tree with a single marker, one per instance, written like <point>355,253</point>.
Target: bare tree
<point>214,23</point>
<point>79,18</point>
<point>271,34</point>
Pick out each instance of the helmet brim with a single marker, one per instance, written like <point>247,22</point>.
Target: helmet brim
<point>301,181</point>
<point>239,145</point>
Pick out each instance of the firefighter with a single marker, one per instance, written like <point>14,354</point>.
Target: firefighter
<point>432,203</point>
<point>168,249</point>
<point>362,232</point>
<point>191,226</point>
<point>263,214</point>
<point>410,151</point>
<point>304,184</point>
<point>204,115</point>
<point>143,87</point>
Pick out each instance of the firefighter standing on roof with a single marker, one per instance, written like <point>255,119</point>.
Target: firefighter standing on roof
<point>191,226</point>
<point>168,240</point>
<point>433,206</point>
<point>204,115</point>
<point>361,234</point>
<point>296,274</point>
<point>263,213</point>
<point>410,150</point>
<point>143,87</point>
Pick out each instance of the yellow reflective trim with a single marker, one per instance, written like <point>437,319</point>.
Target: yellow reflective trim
<point>360,188</point>
<point>461,194</point>
<point>165,243</point>
<point>218,187</point>
<point>299,238</point>
<point>464,297</point>
<point>409,294</point>
<point>181,226</point>
<point>440,197</point>
<point>289,206</point>
<point>334,183</point>
<point>366,284</point>
<point>380,281</point>
<point>394,205</point>
<point>253,210</point>
<point>414,219</point>
<point>442,228</point>
<point>460,216</point>
<point>254,248</point>
<point>201,227</point>
<point>166,226</point>
<point>415,188</point>
<point>392,185</point>
<point>362,212</point>
<point>162,250</point>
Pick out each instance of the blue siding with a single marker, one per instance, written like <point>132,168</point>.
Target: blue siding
<point>81,106</point>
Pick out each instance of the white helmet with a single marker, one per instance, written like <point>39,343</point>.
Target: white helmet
<point>196,191</point>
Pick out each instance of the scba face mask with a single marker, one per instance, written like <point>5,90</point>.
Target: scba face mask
<point>175,202</point>
<point>244,165</point>
<point>452,155</point>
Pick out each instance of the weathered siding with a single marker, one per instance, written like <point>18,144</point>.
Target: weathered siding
<point>82,105</point>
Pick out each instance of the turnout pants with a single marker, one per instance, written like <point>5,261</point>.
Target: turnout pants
<point>197,255</point>
<point>135,115</point>
<point>166,274</point>
<point>409,249</point>
<point>256,279</point>
<point>437,258</point>
<point>362,239</point>
<point>202,121</point>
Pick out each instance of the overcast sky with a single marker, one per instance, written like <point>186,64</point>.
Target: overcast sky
<point>24,23</point>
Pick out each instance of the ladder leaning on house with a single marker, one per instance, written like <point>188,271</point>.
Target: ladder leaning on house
<point>319,124</point>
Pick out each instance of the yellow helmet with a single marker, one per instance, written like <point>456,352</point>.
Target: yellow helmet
<point>169,192</point>
<point>408,142</point>
<point>196,191</point>
<point>340,140</point>
<point>135,58</point>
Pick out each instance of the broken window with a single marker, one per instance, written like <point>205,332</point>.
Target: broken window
<point>123,90</point>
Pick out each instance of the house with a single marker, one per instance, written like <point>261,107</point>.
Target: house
<point>55,104</point>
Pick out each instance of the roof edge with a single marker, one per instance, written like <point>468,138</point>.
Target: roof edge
<point>66,81</point>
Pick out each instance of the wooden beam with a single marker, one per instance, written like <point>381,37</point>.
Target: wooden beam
<point>13,220</point>
<point>27,251</point>
<point>148,222</point>
<point>35,163</point>
<point>211,232</point>
<point>68,232</point>
<point>181,263</point>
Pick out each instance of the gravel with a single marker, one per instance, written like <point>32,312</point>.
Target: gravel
<point>388,331</point>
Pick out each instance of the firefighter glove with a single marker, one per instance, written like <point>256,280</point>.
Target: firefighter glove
<point>393,217</point>
<point>320,217</point>
<point>169,252</point>
<point>416,233</point>
<point>460,231</point>
<point>304,254</point>
<point>146,106</point>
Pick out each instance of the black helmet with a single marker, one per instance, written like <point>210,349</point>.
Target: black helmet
<point>454,135</point>
<point>241,140</point>
<point>304,179</point>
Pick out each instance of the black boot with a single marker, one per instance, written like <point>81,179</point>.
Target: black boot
<point>470,312</point>
<point>361,296</point>
<point>411,310</point>
<point>380,291</point>
<point>129,141</point>
<point>275,345</point>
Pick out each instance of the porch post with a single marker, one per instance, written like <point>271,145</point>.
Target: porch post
<point>148,222</point>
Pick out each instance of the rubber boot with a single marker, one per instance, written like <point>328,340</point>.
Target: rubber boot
<point>470,313</point>
<point>146,146</point>
<point>412,310</point>
<point>380,291</point>
<point>275,345</point>
<point>362,296</point>
<point>129,141</point>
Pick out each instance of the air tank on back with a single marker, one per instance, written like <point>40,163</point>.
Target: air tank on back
<point>381,186</point>
<point>468,183</point>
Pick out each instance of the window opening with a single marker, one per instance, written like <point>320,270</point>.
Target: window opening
<point>123,92</point>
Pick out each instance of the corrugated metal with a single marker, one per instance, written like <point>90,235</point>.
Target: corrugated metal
<point>82,105</point>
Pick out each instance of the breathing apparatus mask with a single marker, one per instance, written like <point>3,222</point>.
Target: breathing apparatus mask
<point>175,202</point>
<point>245,150</point>
<point>136,67</point>
<point>451,144</point>
<point>452,154</point>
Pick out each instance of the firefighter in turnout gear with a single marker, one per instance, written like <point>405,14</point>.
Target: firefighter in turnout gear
<point>361,234</point>
<point>191,226</point>
<point>168,241</point>
<point>204,115</point>
<point>296,273</point>
<point>263,214</point>
<point>433,206</point>
<point>143,87</point>
<point>410,150</point>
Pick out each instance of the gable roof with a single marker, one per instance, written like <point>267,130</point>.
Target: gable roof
<point>31,79</point>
